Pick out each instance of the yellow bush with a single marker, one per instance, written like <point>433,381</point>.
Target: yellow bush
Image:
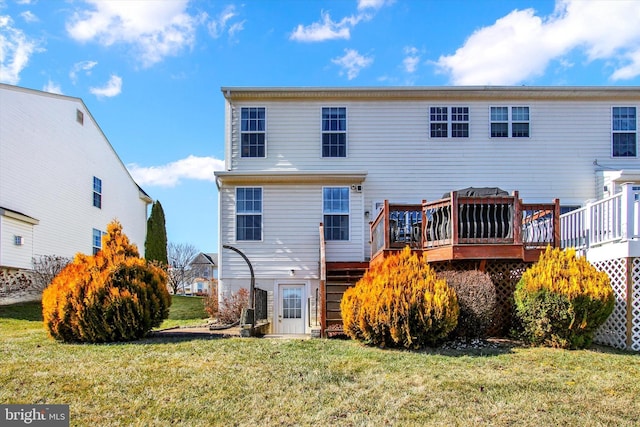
<point>562,299</point>
<point>400,303</point>
<point>112,296</point>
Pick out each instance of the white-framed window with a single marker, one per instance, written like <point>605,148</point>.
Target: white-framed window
<point>248,213</point>
<point>253,124</point>
<point>510,122</point>
<point>97,192</point>
<point>624,132</point>
<point>449,122</point>
<point>97,240</point>
<point>335,210</point>
<point>334,132</point>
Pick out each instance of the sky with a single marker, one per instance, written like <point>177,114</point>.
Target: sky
<point>150,71</point>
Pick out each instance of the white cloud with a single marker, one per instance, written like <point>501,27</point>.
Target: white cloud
<point>411,59</point>
<point>85,66</point>
<point>52,87</point>
<point>326,29</point>
<point>521,45</point>
<point>171,174</point>
<point>15,51</point>
<point>112,88</point>
<point>28,16</point>
<point>352,62</point>
<point>373,4</point>
<point>220,23</point>
<point>155,29</point>
<point>236,28</point>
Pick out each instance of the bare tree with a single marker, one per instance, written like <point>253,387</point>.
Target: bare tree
<point>180,272</point>
<point>45,268</point>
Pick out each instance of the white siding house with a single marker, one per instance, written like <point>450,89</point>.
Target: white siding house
<point>61,182</point>
<point>298,157</point>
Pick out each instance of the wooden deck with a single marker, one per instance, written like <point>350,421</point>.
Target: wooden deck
<point>467,228</point>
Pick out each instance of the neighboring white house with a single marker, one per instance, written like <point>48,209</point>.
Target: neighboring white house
<point>204,277</point>
<point>298,157</point>
<point>61,182</point>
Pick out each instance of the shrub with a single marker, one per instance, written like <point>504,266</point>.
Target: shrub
<point>211,303</point>
<point>112,296</point>
<point>231,307</point>
<point>477,300</point>
<point>46,267</point>
<point>400,303</point>
<point>561,300</point>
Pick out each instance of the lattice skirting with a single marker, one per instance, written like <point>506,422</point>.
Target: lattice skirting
<point>622,328</point>
<point>505,275</point>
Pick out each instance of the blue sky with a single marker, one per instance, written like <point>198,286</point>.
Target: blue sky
<point>150,71</point>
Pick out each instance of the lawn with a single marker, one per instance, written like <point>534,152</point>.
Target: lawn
<point>185,311</point>
<point>258,381</point>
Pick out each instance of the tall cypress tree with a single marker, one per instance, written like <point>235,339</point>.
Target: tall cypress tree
<point>155,245</point>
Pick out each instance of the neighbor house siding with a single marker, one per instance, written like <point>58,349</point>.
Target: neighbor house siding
<point>47,167</point>
<point>15,256</point>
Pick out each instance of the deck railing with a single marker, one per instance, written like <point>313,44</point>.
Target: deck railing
<point>613,219</point>
<point>396,226</point>
<point>465,220</point>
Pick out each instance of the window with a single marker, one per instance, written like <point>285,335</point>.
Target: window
<point>248,213</point>
<point>445,121</point>
<point>252,133</point>
<point>97,192</point>
<point>335,207</point>
<point>97,240</point>
<point>624,132</point>
<point>510,121</point>
<point>80,117</point>
<point>334,132</point>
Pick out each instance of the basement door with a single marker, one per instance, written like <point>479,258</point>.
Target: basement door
<point>291,311</point>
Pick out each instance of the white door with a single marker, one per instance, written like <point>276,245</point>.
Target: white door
<point>291,311</point>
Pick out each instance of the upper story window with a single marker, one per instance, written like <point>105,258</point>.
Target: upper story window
<point>249,213</point>
<point>97,240</point>
<point>252,132</point>
<point>80,117</point>
<point>334,132</point>
<point>97,192</point>
<point>335,208</point>
<point>510,122</point>
<point>624,132</point>
<point>448,122</point>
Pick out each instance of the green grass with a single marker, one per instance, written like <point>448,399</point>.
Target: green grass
<point>185,311</point>
<point>252,381</point>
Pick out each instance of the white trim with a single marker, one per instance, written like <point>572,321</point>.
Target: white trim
<point>235,215</point>
<point>349,214</point>
<point>346,132</point>
<point>510,121</point>
<point>449,122</point>
<point>276,301</point>
<point>612,132</point>
<point>240,132</point>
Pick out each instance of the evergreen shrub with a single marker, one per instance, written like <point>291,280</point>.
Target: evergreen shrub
<point>400,303</point>
<point>477,300</point>
<point>112,296</point>
<point>562,299</point>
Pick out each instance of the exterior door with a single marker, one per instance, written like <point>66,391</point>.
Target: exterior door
<point>291,311</point>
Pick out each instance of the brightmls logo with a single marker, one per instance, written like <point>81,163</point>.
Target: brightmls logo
<point>34,415</point>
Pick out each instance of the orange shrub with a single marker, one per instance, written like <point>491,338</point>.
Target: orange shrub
<point>400,303</point>
<point>112,296</point>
